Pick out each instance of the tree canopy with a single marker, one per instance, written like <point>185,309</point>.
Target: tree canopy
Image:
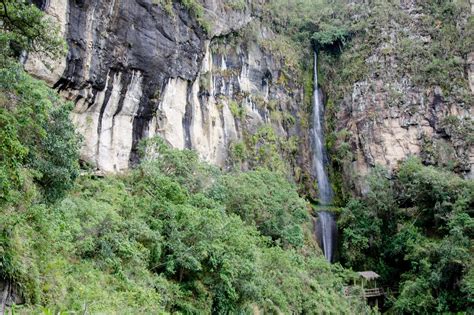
<point>417,231</point>
<point>24,28</point>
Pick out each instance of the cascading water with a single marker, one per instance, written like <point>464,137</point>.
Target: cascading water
<point>326,233</point>
<point>325,227</point>
<point>325,191</point>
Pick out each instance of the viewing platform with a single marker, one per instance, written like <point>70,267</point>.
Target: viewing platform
<point>367,293</point>
<point>367,286</point>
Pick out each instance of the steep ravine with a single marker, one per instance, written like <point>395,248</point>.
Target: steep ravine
<point>241,86</point>
<point>135,70</point>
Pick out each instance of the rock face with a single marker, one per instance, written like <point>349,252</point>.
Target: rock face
<point>390,117</point>
<point>136,70</point>
<point>385,134</point>
<point>122,55</point>
<point>10,294</point>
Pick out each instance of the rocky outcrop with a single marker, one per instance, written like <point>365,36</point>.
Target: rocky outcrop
<point>138,68</point>
<point>10,294</point>
<point>122,55</point>
<point>390,116</point>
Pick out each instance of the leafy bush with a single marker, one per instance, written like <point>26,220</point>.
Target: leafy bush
<point>322,21</point>
<point>37,139</point>
<point>24,27</point>
<point>303,25</point>
<point>269,201</point>
<point>197,11</point>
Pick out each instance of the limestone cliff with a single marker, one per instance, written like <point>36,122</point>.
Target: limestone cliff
<point>207,81</point>
<point>136,69</point>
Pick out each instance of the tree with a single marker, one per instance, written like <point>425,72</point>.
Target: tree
<point>269,201</point>
<point>24,28</point>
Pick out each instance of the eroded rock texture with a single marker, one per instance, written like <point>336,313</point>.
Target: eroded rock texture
<point>390,116</point>
<point>122,55</point>
<point>135,70</point>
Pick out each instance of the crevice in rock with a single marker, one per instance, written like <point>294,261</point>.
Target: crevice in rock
<point>108,93</point>
<point>188,116</point>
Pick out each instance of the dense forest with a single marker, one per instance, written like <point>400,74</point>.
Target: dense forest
<point>177,235</point>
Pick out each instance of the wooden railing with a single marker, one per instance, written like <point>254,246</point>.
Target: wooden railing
<point>353,291</point>
<point>373,292</point>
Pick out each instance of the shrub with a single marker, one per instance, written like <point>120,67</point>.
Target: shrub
<point>37,135</point>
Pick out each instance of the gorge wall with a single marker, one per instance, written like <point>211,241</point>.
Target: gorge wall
<point>136,69</point>
<point>206,81</point>
<point>413,89</point>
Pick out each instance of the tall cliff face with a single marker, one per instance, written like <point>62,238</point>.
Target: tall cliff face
<point>407,90</point>
<point>208,81</point>
<point>137,69</point>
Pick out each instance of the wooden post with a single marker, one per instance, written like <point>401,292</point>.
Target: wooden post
<point>5,297</point>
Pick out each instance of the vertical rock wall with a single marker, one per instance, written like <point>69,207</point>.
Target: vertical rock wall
<point>135,71</point>
<point>389,116</point>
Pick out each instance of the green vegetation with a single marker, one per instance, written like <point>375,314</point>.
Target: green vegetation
<point>416,228</point>
<point>23,29</point>
<point>430,52</point>
<point>238,111</point>
<point>321,22</point>
<point>417,231</point>
<point>174,235</point>
<point>195,9</point>
<point>236,4</point>
<point>281,217</point>
<point>302,25</point>
<point>265,149</point>
<point>38,148</point>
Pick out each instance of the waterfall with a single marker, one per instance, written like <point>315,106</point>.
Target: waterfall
<point>326,233</point>
<point>325,191</point>
<point>325,226</point>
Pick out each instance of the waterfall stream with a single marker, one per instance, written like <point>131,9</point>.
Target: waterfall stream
<point>319,157</point>
<point>325,226</point>
<point>326,233</point>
